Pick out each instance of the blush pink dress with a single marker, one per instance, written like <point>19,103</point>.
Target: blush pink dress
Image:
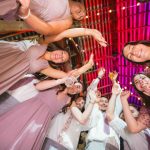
<point>25,125</point>
<point>15,63</point>
<point>47,10</point>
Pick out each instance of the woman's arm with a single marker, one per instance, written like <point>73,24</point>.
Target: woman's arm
<point>110,113</point>
<point>84,68</point>
<point>75,32</point>
<point>40,26</point>
<point>46,84</point>
<point>83,117</point>
<point>54,73</point>
<point>50,28</point>
<point>133,125</point>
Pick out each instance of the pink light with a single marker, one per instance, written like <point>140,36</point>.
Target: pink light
<point>125,87</point>
<point>123,8</point>
<point>138,98</point>
<point>87,17</point>
<point>110,11</point>
<point>118,82</point>
<point>98,14</point>
<point>131,93</point>
<point>130,82</point>
<point>138,4</point>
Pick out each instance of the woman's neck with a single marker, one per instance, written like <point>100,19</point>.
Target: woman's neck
<point>47,56</point>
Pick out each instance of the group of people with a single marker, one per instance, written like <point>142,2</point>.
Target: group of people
<point>50,114</point>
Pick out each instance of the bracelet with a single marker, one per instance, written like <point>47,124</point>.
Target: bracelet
<point>25,17</point>
<point>98,77</point>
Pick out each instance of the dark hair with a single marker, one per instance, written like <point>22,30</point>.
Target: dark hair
<point>73,98</point>
<point>145,98</point>
<point>147,43</point>
<point>51,47</point>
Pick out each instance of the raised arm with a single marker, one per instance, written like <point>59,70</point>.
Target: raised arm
<point>110,113</point>
<point>40,26</point>
<point>94,83</point>
<point>46,84</point>
<point>75,32</point>
<point>83,117</point>
<point>54,73</point>
<point>133,125</point>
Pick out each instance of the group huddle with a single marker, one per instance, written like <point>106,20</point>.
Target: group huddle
<point>50,113</point>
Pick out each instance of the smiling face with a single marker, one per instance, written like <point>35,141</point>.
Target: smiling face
<point>103,103</point>
<point>78,11</point>
<point>58,56</point>
<point>142,83</point>
<point>80,102</point>
<point>137,53</point>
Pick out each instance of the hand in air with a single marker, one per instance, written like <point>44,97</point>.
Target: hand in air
<point>125,95</point>
<point>99,38</point>
<point>24,7</point>
<point>101,72</point>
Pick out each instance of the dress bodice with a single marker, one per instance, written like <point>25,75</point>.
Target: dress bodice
<point>49,10</point>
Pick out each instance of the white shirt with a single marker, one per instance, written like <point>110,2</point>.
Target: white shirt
<point>26,91</point>
<point>136,141</point>
<point>70,137</point>
<point>97,132</point>
<point>97,119</point>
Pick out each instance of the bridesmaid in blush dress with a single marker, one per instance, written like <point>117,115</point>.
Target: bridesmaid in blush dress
<point>25,125</point>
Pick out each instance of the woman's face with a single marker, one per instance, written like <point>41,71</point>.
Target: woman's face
<point>59,56</point>
<point>75,89</point>
<point>80,102</point>
<point>78,12</point>
<point>142,83</point>
<point>137,53</point>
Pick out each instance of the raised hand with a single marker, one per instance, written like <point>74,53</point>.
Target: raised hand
<point>125,95</point>
<point>113,76</point>
<point>24,9</point>
<point>101,72</point>
<point>116,89</point>
<point>98,37</point>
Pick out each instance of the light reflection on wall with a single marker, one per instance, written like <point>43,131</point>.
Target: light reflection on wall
<point>120,21</point>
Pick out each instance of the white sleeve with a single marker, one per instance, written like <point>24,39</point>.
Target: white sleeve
<point>92,86</point>
<point>26,44</point>
<point>94,117</point>
<point>118,106</point>
<point>118,125</point>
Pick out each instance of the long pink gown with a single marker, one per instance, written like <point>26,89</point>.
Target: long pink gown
<point>47,10</point>
<point>24,126</point>
<point>15,63</point>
